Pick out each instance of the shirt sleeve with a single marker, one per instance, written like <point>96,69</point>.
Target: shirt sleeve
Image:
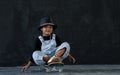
<point>36,47</point>
<point>58,41</point>
<point>37,44</point>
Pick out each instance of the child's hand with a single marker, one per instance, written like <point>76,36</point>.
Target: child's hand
<point>71,58</point>
<point>24,68</point>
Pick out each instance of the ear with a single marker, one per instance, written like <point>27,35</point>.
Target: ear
<point>41,29</point>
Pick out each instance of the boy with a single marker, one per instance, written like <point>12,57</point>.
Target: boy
<point>50,49</point>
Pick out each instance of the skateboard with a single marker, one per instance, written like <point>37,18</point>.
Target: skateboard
<point>54,67</point>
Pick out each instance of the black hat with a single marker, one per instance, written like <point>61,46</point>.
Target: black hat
<point>45,21</point>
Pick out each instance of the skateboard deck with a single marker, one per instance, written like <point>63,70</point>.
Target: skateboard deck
<point>55,66</point>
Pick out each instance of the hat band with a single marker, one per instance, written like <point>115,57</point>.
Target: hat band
<point>47,24</point>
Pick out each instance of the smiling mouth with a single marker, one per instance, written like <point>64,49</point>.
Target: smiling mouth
<point>47,31</point>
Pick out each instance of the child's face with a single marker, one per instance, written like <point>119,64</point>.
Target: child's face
<point>47,30</point>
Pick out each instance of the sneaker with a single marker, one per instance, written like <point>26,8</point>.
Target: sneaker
<point>54,60</point>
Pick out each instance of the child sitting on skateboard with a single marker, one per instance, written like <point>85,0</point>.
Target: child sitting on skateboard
<point>49,48</point>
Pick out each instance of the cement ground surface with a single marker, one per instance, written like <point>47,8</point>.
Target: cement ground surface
<point>67,70</point>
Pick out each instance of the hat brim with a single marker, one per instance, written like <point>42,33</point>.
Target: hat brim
<point>41,26</point>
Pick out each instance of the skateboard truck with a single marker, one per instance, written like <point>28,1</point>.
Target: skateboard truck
<point>54,67</point>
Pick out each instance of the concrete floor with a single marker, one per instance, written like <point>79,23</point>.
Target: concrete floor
<point>68,70</point>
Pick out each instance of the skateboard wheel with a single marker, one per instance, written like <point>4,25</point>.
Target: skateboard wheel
<point>60,70</point>
<point>47,70</point>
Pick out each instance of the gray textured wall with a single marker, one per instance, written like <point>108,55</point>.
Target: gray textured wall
<point>91,27</point>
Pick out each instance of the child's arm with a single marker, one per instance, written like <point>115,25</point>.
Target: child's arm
<point>37,47</point>
<point>24,68</point>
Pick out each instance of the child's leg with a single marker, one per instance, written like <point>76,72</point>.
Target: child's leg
<point>39,57</point>
<point>63,50</point>
<point>61,53</point>
<point>46,59</point>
